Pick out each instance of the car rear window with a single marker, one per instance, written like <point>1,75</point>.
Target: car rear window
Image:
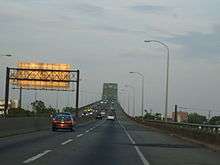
<point>63,117</point>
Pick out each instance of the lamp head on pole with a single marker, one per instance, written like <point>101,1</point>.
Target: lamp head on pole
<point>6,55</point>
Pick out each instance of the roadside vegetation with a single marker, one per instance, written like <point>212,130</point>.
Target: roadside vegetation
<point>194,118</point>
<point>38,108</point>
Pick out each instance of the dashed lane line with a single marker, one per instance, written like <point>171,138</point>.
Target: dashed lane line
<point>67,141</point>
<point>36,156</point>
<point>79,135</point>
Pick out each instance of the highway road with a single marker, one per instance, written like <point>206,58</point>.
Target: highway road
<point>103,142</point>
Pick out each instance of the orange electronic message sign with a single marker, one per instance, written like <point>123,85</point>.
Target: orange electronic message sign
<point>45,76</point>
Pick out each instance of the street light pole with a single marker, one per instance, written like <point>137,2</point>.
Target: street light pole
<point>6,55</point>
<point>133,90</point>
<point>167,74</point>
<point>142,92</point>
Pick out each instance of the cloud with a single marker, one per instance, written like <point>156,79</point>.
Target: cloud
<point>104,39</point>
<point>200,45</point>
<point>149,8</point>
<point>89,9</point>
<point>117,29</point>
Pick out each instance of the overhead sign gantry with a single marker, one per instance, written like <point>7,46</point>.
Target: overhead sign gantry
<point>42,76</point>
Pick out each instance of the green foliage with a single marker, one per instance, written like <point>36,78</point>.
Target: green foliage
<point>38,106</point>
<point>69,109</point>
<point>19,112</point>
<point>39,109</point>
<point>50,110</point>
<point>149,116</point>
<point>196,118</point>
<point>215,120</point>
<point>158,116</point>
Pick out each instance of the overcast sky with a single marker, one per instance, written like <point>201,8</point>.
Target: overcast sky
<point>104,39</point>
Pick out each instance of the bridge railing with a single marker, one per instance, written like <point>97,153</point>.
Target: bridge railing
<point>214,129</point>
<point>209,134</point>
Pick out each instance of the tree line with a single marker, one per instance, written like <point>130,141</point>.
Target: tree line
<point>38,109</point>
<point>192,118</point>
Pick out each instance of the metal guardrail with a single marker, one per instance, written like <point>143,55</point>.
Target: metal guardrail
<point>197,127</point>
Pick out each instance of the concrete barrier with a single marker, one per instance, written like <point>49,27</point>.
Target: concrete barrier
<point>20,125</point>
<point>23,125</point>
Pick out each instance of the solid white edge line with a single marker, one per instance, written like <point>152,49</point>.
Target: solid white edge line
<point>67,141</point>
<point>140,154</point>
<point>36,157</point>
<point>79,135</point>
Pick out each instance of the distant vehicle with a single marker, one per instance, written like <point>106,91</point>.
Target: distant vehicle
<point>99,117</point>
<point>63,121</point>
<point>110,117</point>
<point>103,113</point>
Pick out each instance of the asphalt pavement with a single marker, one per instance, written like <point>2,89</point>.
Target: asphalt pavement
<point>104,142</point>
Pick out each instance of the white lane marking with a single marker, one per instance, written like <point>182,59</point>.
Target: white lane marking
<point>36,157</point>
<point>67,141</point>
<point>94,127</point>
<point>79,135</point>
<point>99,124</point>
<point>140,154</point>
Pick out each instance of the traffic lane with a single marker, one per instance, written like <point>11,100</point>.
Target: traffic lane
<point>160,148</point>
<point>19,140</point>
<point>23,146</point>
<point>107,144</point>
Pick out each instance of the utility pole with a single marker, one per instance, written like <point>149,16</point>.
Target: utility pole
<point>209,116</point>
<point>57,102</point>
<point>6,91</point>
<point>20,98</point>
<point>175,115</point>
<point>35,95</point>
<point>77,93</point>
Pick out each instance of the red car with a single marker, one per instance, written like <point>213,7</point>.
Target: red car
<point>63,121</point>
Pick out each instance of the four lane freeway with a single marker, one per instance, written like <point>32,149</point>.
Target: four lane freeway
<point>103,142</point>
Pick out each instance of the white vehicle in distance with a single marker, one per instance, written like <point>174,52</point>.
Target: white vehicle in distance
<point>110,117</point>
<point>102,113</point>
